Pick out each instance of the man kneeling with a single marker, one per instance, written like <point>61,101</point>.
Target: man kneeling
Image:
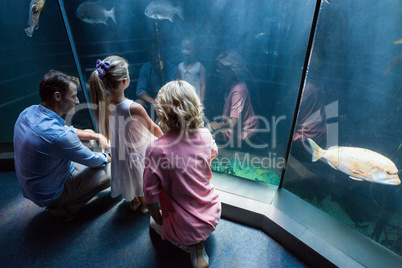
<point>44,151</point>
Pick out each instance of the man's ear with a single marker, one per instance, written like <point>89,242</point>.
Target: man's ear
<point>57,96</point>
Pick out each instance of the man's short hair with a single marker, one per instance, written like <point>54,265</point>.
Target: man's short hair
<point>54,81</point>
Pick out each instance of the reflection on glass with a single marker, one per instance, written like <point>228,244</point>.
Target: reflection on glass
<point>355,74</point>
<point>191,70</point>
<point>267,39</point>
<point>153,75</point>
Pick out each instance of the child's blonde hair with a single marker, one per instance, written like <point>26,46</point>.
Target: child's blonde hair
<point>106,77</point>
<point>178,106</point>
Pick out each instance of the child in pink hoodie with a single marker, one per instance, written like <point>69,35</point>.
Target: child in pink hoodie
<point>177,173</point>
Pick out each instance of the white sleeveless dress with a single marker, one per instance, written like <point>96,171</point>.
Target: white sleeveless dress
<point>192,76</point>
<point>128,143</point>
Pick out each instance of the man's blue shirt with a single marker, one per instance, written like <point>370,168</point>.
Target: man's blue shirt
<point>149,83</point>
<point>44,149</point>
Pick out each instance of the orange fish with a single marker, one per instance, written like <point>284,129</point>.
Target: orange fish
<point>360,164</point>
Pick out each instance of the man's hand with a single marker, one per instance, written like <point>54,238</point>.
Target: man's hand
<point>104,143</point>
<point>89,134</point>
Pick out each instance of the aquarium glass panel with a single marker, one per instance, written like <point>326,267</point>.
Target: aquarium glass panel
<point>261,46</point>
<point>346,147</point>
<point>27,56</point>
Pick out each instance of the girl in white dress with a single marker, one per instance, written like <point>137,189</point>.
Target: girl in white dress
<point>191,70</point>
<point>126,124</point>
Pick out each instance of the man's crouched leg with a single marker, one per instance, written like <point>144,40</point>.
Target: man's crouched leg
<point>82,184</point>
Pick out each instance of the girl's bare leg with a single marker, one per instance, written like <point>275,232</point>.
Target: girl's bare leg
<point>144,209</point>
<point>135,203</point>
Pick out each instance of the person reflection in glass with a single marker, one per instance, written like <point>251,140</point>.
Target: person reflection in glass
<point>191,70</point>
<point>311,120</point>
<point>153,75</point>
<point>238,113</point>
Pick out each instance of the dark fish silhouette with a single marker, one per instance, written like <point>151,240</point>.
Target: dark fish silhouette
<point>163,10</point>
<point>93,13</point>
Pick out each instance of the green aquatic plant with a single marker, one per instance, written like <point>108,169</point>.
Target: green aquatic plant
<point>229,170</point>
<point>236,169</point>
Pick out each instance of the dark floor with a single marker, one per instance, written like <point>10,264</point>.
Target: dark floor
<point>107,234</point>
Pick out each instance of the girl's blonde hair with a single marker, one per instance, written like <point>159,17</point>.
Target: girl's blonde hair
<point>106,77</point>
<point>178,106</point>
